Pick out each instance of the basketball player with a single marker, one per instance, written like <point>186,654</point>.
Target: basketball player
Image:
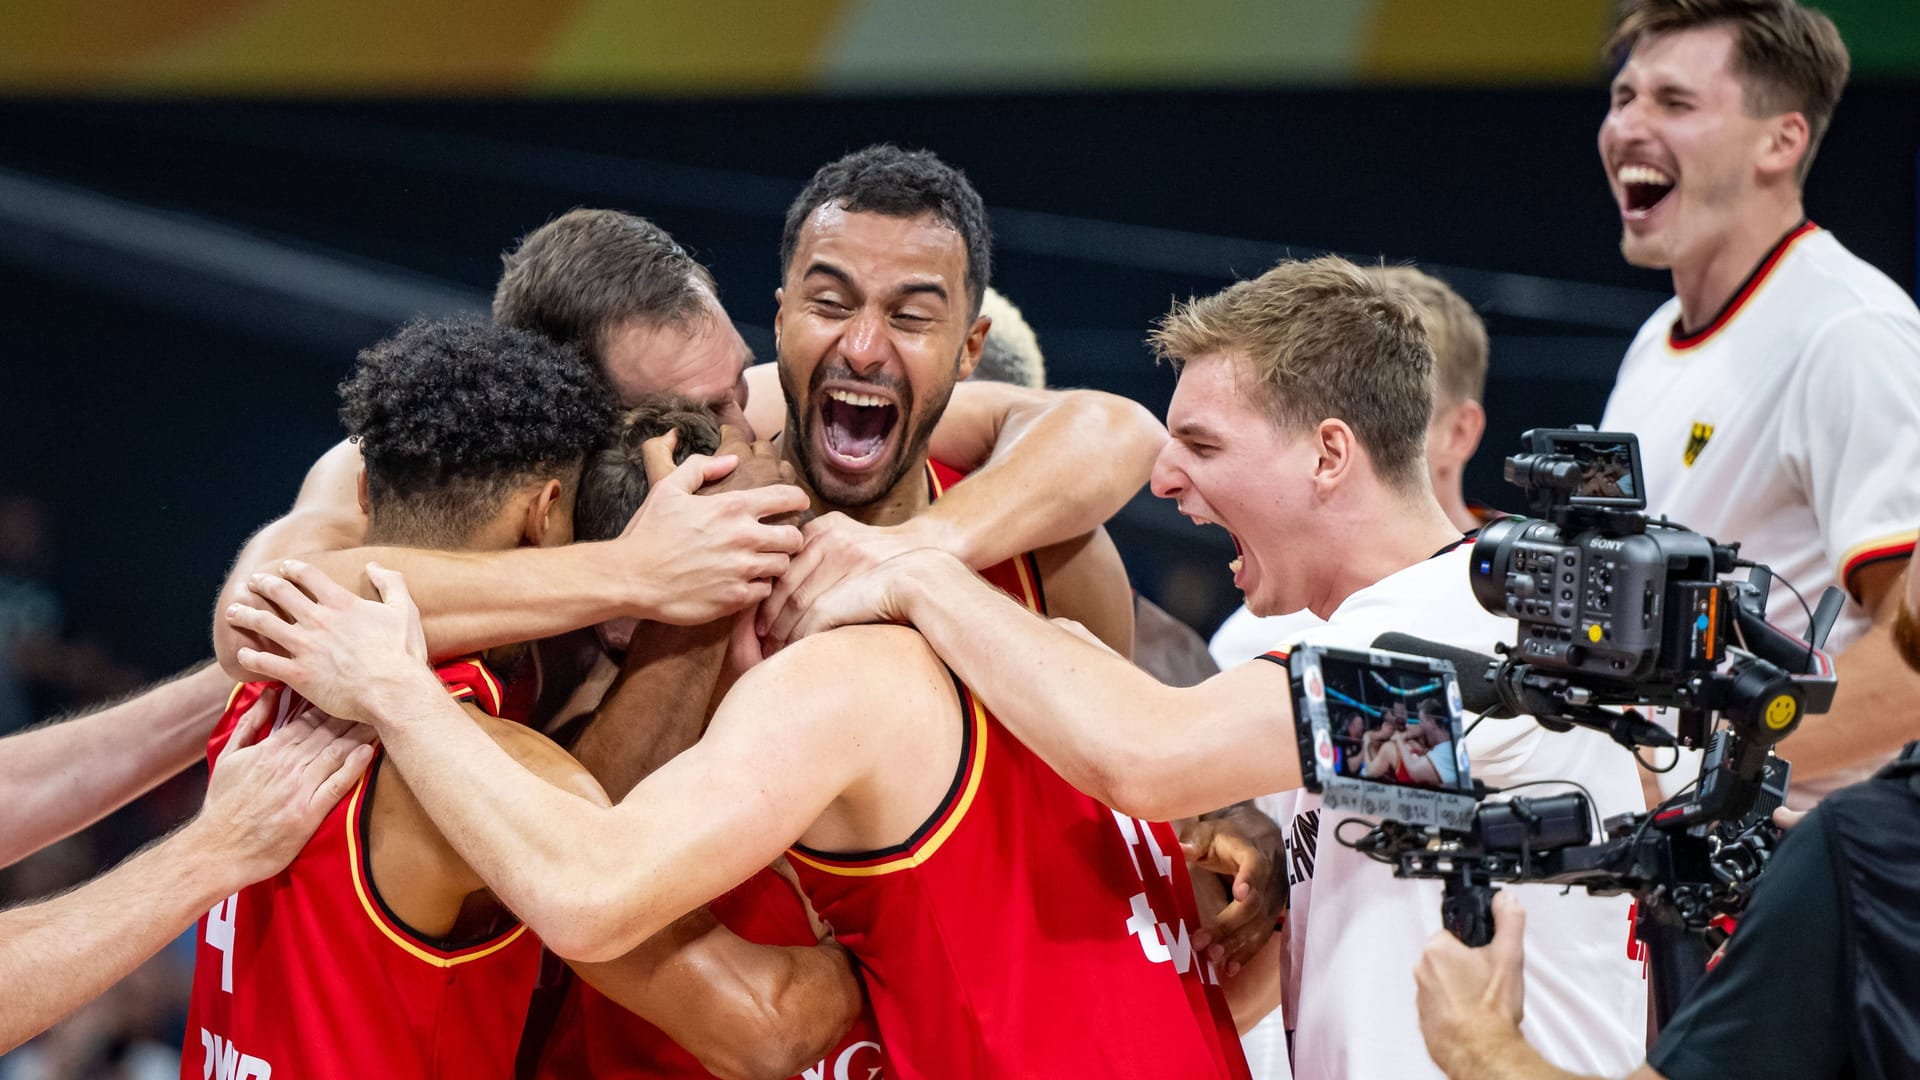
<point>649,318</point>
<point>1298,424</point>
<point>1004,923</point>
<point>378,947</point>
<point>1775,395</point>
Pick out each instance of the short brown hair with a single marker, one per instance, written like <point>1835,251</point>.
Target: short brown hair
<point>614,482</point>
<point>576,278</point>
<point>1788,58</point>
<point>1323,341</point>
<point>1454,330</point>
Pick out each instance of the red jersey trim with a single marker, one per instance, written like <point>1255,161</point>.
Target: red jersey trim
<point>1678,342</point>
<point>1886,549</point>
<point>377,915</point>
<point>929,839</point>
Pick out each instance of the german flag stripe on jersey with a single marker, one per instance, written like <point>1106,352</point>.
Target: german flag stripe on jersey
<point>1680,342</point>
<point>1886,549</point>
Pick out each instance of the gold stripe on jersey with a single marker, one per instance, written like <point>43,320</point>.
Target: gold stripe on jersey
<point>1896,546</point>
<point>379,920</point>
<point>951,821</point>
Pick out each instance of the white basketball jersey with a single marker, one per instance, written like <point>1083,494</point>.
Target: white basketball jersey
<point>1790,424</point>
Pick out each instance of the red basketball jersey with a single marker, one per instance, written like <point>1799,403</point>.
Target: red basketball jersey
<point>307,975</point>
<point>1026,930</point>
<point>594,1037</point>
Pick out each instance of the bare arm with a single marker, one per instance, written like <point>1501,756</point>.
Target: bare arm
<point>1872,714</point>
<point>1112,730</point>
<point>699,826</point>
<point>1053,465</point>
<point>658,705</point>
<point>326,516</point>
<point>262,805</point>
<point>683,559</point>
<point>62,777</point>
<point>745,1010</point>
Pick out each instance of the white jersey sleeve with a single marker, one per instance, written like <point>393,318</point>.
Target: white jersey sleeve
<point>1851,432</point>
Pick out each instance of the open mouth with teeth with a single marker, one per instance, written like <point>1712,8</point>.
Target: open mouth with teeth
<point>1643,187</point>
<point>856,428</point>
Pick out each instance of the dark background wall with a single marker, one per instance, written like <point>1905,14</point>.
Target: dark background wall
<point>168,368</point>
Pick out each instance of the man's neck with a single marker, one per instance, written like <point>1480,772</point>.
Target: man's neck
<point>1398,533</point>
<point>907,497</point>
<point>1706,284</point>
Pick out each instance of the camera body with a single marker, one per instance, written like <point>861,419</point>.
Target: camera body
<point>1598,593</point>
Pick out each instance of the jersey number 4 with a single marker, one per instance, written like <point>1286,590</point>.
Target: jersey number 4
<point>220,937</point>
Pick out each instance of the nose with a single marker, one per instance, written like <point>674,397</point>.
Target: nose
<point>864,344</point>
<point>1168,480</point>
<point>1624,124</point>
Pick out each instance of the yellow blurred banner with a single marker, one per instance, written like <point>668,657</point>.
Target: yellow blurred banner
<point>561,47</point>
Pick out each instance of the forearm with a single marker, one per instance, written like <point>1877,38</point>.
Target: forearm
<point>472,601</point>
<point>657,707</point>
<point>744,1010</point>
<point>1109,728</point>
<point>1872,714</point>
<point>1056,471</point>
<point>63,777</point>
<point>58,954</point>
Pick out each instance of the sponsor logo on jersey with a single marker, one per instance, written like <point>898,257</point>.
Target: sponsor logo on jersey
<point>222,1060</point>
<point>1301,843</point>
<point>1696,442</point>
<point>843,1066</point>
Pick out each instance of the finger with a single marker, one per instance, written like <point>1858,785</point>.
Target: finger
<point>768,568</point>
<point>1786,818</point>
<point>391,587</point>
<point>248,726</point>
<point>823,524</point>
<point>735,441</point>
<point>335,787</point>
<point>269,665</point>
<point>1509,928</point>
<point>797,572</point>
<point>687,477</point>
<point>284,594</point>
<point>771,500</point>
<point>800,601</point>
<point>257,620</point>
<point>317,584</point>
<point>656,455</point>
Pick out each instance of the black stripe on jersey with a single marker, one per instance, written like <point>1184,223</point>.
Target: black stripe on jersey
<point>364,828</point>
<point>1039,590</point>
<point>940,810</point>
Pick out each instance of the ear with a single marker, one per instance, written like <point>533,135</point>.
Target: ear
<point>360,485</point>
<point>1786,144</point>
<point>779,309</point>
<point>1339,454</point>
<point>1460,432</point>
<point>546,523</point>
<point>970,349</point>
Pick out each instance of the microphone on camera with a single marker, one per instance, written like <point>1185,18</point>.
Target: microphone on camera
<point>1477,690</point>
<point>1491,685</point>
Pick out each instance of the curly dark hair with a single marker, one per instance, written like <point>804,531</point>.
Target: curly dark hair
<point>614,482</point>
<point>452,416</point>
<point>885,179</point>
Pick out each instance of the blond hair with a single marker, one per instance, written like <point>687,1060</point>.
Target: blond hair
<point>1011,353</point>
<point>1322,340</point>
<point>1454,330</point>
<point>1788,58</point>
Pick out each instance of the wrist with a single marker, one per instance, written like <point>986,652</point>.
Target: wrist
<point>933,530</point>
<point>1488,1045</point>
<point>202,860</point>
<point>616,582</point>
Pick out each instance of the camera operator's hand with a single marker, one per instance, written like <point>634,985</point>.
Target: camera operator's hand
<point>1471,1000</point>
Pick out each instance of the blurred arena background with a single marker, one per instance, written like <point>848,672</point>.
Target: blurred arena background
<point>207,206</point>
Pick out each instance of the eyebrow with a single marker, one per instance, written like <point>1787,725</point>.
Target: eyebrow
<point>1193,429</point>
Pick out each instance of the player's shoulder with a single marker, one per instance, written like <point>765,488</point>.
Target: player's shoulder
<point>539,755</point>
<point>1830,283</point>
<point>851,668</point>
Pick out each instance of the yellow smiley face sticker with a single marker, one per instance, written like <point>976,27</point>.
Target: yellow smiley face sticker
<point>1781,711</point>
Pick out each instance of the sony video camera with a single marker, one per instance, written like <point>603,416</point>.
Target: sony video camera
<point>1617,612</point>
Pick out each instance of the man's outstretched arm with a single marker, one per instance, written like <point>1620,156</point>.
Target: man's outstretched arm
<point>263,803</point>
<point>1112,730</point>
<point>1872,714</point>
<point>1049,465</point>
<point>699,826</point>
<point>61,777</point>
<point>683,559</point>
